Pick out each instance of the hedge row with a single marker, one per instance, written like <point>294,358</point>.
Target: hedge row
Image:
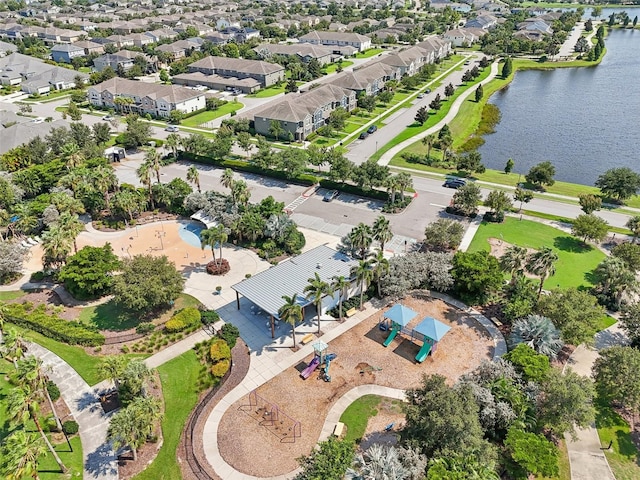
<point>242,166</point>
<point>185,318</point>
<point>52,326</point>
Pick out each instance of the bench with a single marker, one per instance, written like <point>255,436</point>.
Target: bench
<point>351,312</point>
<point>307,338</point>
<point>496,322</point>
<point>337,430</point>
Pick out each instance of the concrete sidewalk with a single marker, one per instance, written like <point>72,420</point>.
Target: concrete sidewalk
<point>98,457</point>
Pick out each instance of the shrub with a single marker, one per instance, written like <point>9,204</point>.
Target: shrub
<point>52,326</point>
<point>209,317</point>
<point>70,427</point>
<point>145,327</point>
<point>182,319</point>
<point>230,334</point>
<point>37,276</point>
<point>494,217</point>
<point>220,368</point>
<point>54,391</point>
<point>219,267</point>
<point>219,350</point>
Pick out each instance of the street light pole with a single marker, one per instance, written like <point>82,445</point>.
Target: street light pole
<point>160,235</point>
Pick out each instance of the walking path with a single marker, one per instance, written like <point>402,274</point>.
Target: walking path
<point>586,454</point>
<point>98,457</point>
<point>453,111</point>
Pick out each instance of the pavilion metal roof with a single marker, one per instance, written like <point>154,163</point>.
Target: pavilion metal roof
<point>265,289</point>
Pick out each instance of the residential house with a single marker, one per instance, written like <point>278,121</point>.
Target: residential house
<point>305,52</point>
<point>66,52</point>
<point>161,34</point>
<point>265,73</point>
<point>124,59</point>
<point>36,76</point>
<point>7,48</point>
<point>369,79</point>
<point>120,41</point>
<point>90,47</point>
<point>485,22</point>
<point>337,39</point>
<point>463,36</point>
<point>218,38</point>
<point>305,112</point>
<point>535,25</point>
<point>140,39</point>
<point>180,49</point>
<point>439,47</point>
<point>155,99</point>
<point>23,132</point>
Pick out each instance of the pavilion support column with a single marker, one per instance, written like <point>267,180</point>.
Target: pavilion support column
<point>238,300</point>
<point>273,333</point>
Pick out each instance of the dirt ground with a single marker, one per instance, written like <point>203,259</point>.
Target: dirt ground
<point>255,445</point>
<point>389,412</point>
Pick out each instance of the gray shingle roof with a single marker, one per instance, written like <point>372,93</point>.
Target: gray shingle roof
<point>265,289</point>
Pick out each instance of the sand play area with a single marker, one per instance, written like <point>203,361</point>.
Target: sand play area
<point>251,444</point>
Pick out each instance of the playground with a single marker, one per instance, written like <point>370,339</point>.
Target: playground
<point>249,441</point>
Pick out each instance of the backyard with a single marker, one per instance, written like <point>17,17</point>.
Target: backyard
<point>575,262</point>
<point>209,115</point>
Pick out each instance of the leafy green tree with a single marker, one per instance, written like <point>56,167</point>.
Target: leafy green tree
<point>316,290</point>
<point>291,86</point>
<point>541,175</point>
<point>630,322</point>
<point>523,196</point>
<point>613,280</point>
<point>508,168</point>
<point>338,118</point>
<point>88,273</point>
<point>460,467</point>
<point>368,102</point>
<point>629,253</point>
<point>74,112</point>
<point>476,275</point>
<point>314,68</point>
<point>380,462</point>
<point>101,133</point>
<point>164,76</point>
<point>566,402</point>
<point>436,103</point>
<point>12,257</point>
<point>539,333</point>
<point>531,454</point>
<point>479,93</point>
<point>329,461</point>
<point>385,96</point>
<point>507,67</point>
<point>275,129</point>
<point>147,283</point>
<point>590,227</point>
<point>470,162</point>
<point>442,235</point>
<point>619,183</point>
<point>341,168</point>
<point>466,199</point>
<point>542,265</point>
<point>617,375</point>
<point>417,270</point>
<point>532,365</point>
<point>112,368</point>
<point>633,224</point>
<point>422,115</point>
<point>589,202</point>
<point>498,201</point>
<point>449,90</point>
<point>291,313</point>
<point>137,132</point>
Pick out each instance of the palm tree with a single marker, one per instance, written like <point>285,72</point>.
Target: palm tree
<point>104,179</point>
<point>13,346</point>
<point>71,224</point>
<point>227,178</point>
<point>21,452</point>
<point>541,264</point>
<point>22,404</point>
<point>428,141</point>
<point>173,141</point>
<point>291,312</point>
<point>513,261</point>
<point>539,333</point>
<point>360,238</point>
<point>56,245</point>
<point>363,275</point>
<point>382,231</point>
<point>341,285</point>
<point>193,176</point>
<point>133,425</point>
<point>615,279</point>
<point>392,187</point>
<point>144,175</point>
<point>315,291</point>
<point>404,182</point>
<point>633,224</point>
<point>445,144</point>
<point>380,267</point>
<point>208,238</point>
<point>240,193</point>
<point>111,367</point>
<point>129,202</point>
<point>30,373</point>
<point>153,157</point>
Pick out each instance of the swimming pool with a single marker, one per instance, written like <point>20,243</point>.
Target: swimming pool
<point>190,233</point>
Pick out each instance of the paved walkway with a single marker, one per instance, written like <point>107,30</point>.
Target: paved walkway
<point>84,403</point>
<point>586,455</point>
<point>177,349</point>
<point>453,111</point>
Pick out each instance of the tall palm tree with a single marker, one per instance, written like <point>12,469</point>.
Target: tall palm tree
<point>193,176</point>
<point>71,224</point>
<point>291,312</point>
<point>227,178</point>
<point>382,231</point>
<point>428,141</point>
<point>173,142</point>
<point>360,238</point>
<point>363,274</point>
<point>341,285</point>
<point>22,404</point>
<point>103,178</point>
<point>633,224</point>
<point>112,367</point>
<point>223,236</point>
<point>404,182</point>
<point>445,144</point>
<point>209,238</point>
<point>392,187</point>
<point>129,202</point>
<point>132,425</point>
<point>541,264</point>
<point>13,347</point>
<point>30,372</point>
<point>56,245</point>
<point>144,175</point>
<point>240,193</point>
<point>514,261</point>
<point>380,267</point>
<point>153,157</point>
<point>21,451</point>
<point>316,290</point>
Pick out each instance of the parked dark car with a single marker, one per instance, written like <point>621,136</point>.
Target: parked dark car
<point>454,183</point>
<point>372,129</point>
<point>363,135</point>
<point>330,195</point>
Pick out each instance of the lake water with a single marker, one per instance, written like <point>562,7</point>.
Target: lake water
<point>583,120</point>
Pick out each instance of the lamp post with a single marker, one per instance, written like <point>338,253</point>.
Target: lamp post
<point>160,235</point>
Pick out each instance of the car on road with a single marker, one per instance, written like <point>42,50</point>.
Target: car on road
<point>330,195</point>
<point>421,95</point>
<point>372,129</point>
<point>172,128</point>
<point>363,135</point>
<point>454,182</point>
<point>107,118</point>
<point>428,90</point>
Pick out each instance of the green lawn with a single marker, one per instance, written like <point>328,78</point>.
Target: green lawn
<point>48,468</point>
<point>331,68</point>
<point>271,91</point>
<point>356,416</point>
<point>370,53</point>
<point>209,115</point>
<point>179,379</point>
<point>575,260</point>
<point>6,296</point>
<point>623,457</point>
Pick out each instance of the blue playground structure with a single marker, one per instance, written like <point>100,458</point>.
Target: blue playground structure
<point>432,332</point>
<point>319,358</point>
<point>327,362</point>
<point>400,316</point>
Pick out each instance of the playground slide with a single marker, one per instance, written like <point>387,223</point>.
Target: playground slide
<point>424,351</point>
<point>390,338</point>
<point>306,373</point>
